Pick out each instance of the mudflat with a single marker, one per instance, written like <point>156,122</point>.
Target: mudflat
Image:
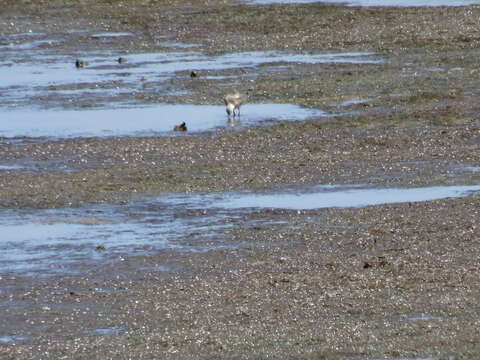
<point>391,281</point>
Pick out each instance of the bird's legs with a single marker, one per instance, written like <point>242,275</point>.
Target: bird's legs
<point>238,112</point>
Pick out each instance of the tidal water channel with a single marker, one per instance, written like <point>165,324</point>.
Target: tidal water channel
<point>155,120</point>
<point>43,93</point>
<point>383,3</point>
<point>56,241</point>
<point>322,254</point>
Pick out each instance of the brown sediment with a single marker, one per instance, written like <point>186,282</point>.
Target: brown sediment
<point>337,283</point>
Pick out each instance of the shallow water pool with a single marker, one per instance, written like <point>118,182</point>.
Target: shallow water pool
<point>143,121</point>
<point>46,242</point>
<point>34,70</point>
<point>383,3</point>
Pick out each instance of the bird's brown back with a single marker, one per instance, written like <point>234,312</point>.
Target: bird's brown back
<point>235,99</point>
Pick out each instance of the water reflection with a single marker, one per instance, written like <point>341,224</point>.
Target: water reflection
<point>385,3</point>
<point>10,339</point>
<point>142,121</point>
<point>327,197</point>
<point>58,240</point>
<point>32,68</point>
<point>107,331</point>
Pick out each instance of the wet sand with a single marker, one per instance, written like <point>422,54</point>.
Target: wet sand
<point>395,281</point>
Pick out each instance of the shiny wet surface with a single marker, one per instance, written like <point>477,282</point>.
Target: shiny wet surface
<point>6,339</point>
<point>343,197</point>
<point>43,93</point>
<point>400,3</point>
<point>309,290</point>
<point>56,241</point>
<point>144,121</point>
<point>49,242</point>
<point>34,73</point>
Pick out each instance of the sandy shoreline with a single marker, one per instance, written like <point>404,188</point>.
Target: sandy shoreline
<point>384,281</point>
<point>392,281</point>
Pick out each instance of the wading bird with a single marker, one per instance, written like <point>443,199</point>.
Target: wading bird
<point>234,101</point>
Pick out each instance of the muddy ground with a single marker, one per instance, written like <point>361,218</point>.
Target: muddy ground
<point>393,281</point>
